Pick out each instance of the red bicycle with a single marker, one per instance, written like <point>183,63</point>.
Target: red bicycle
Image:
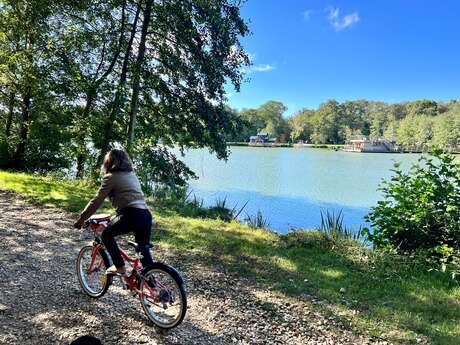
<point>160,288</point>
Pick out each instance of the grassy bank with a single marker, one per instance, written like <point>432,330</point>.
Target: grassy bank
<point>380,294</point>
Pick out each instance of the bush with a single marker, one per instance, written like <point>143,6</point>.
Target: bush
<point>334,229</point>
<point>421,208</point>
<point>258,221</point>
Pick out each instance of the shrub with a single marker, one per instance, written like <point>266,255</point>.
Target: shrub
<point>334,229</point>
<point>257,221</point>
<point>421,208</point>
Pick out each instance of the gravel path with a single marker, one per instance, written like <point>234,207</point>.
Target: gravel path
<point>41,301</point>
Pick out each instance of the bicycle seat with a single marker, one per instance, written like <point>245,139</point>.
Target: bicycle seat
<point>100,218</point>
<point>136,246</point>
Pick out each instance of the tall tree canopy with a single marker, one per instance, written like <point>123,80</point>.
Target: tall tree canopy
<point>136,73</point>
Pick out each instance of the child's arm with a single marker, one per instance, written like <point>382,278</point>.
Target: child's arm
<point>96,202</point>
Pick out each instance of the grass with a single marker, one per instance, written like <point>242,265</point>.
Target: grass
<point>380,294</point>
<point>334,229</point>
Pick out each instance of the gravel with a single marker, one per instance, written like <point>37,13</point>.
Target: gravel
<point>41,301</point>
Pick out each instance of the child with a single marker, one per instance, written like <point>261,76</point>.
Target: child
<point>122,187</point>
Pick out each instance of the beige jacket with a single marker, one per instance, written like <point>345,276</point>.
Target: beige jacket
<point>122,188</point>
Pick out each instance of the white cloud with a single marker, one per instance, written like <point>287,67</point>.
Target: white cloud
<point>340,23</point>
<point>307,15</point>
<point>262,68</point>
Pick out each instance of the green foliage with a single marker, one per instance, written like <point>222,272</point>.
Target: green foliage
<point>445,259</point>
<point>415,126</point>
<point>446,131</point>
<point>301,126</point>
<point>258,221</point>
<point>421,208</point>
<point>267,118</point>
<point>156,166</point>
<point>334,229</point>
<point>73,80</point>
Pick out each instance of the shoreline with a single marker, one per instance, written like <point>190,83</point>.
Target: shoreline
<point>335,147</point>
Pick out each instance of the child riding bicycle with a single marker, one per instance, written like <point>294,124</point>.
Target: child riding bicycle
<point>122,186</point>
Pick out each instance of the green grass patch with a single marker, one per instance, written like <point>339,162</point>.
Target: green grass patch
<point>381,294</point>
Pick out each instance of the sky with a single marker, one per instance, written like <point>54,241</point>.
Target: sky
<point>306,52</point>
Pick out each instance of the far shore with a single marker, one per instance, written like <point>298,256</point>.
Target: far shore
<point>316,146</point>
<point>335,147</point>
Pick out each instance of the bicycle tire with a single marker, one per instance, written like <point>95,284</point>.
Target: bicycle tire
<point>80,275</point>
<point>179,282</point>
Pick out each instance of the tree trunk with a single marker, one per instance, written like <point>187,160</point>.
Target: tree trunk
<point>81,156</point>
<point>137,75</point>
<point>91,96</point>
<point>119,95</point>
<point>9,120</point>
<point>18,157</point>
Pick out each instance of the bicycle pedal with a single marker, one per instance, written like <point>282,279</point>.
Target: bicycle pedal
<point>124,285</point>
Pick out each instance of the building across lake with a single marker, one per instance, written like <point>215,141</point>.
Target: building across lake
<point>364,144</point>
<point>261,139</point>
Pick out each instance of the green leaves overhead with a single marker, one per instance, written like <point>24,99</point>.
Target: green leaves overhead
<point>99,64</point>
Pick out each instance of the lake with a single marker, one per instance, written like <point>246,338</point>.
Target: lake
<point>290,186</point>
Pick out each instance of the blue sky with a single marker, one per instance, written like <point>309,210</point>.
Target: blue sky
<point>306,52</point>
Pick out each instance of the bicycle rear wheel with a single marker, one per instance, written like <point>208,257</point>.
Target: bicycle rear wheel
<point>91,271</point>
<point>163,296</point>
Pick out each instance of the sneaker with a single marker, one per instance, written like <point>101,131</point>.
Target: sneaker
<point>112,270</point>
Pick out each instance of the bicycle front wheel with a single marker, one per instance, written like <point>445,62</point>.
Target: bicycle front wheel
<point>163,296</point>
<point>91,268</point>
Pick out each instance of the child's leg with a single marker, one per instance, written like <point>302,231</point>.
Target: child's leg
<point>117,227</point>
<point>142,234</point>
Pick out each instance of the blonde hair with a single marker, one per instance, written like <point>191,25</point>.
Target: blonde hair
<point>117,160</point>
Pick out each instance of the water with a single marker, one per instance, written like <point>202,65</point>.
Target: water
<point>291,186</point>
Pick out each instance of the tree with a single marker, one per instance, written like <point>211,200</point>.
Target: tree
<point>24,51</point>
<point>301,127</point>
<point>422,107</point>
<point>120,93</point>
<point>88,47</point>
<point>187,50</point>
<point>328,124</point>
<point>378,119</point>
<point>355,118</point>
<point>446,129</point>
<point>271,113</point>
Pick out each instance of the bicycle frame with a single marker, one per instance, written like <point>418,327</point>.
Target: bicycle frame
<point>160,288</point>
<point>134,280</point>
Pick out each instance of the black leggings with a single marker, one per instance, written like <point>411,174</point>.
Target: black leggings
<point>130,219</point>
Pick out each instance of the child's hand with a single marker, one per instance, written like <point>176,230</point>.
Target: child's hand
<point>79,223</point>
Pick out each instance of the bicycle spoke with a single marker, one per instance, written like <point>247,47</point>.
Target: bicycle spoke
<point>160,303</point>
